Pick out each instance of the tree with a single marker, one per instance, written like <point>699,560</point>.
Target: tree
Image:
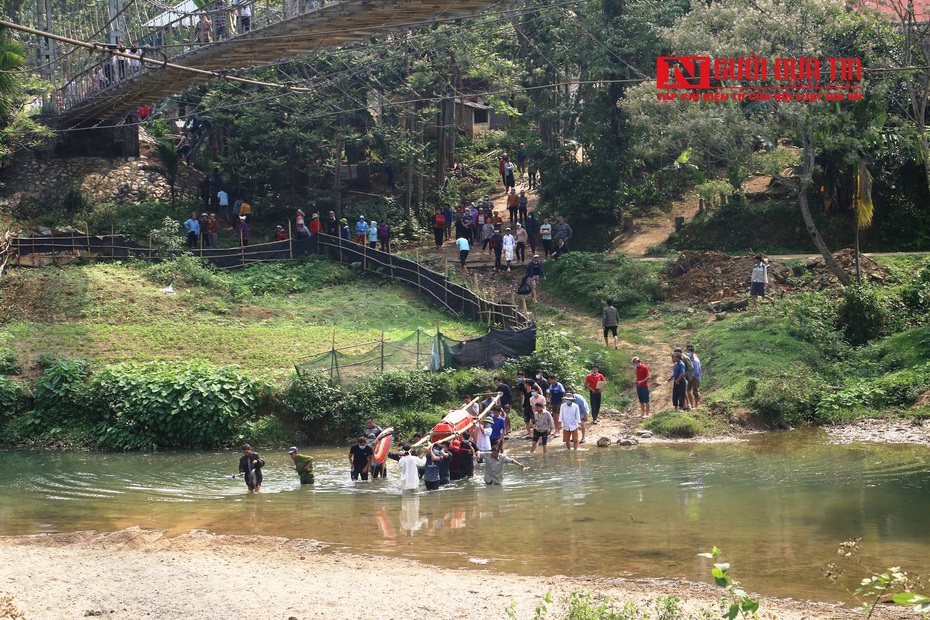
<point>808,29</point>
<point>168,167</point>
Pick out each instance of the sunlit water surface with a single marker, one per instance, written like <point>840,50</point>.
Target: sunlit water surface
<point>778,505</point>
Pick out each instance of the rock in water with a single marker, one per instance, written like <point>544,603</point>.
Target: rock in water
<point>603,442</point>
<point>644,434</point>
<point>627,441</point>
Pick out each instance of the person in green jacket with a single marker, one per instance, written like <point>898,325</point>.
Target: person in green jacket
<point>303,464</point>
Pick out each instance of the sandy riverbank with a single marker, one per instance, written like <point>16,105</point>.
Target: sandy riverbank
<point>133,574</point>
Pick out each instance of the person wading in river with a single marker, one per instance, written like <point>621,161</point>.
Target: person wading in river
<point>303,464</point>
<point>250,466</point>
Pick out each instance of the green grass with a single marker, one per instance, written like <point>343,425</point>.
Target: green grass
<point>110,313</point>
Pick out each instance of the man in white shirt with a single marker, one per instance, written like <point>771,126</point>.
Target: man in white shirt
<point>570,417</point>
<point>408,465</point>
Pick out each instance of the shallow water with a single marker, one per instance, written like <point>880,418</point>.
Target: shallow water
<point>777,504</point>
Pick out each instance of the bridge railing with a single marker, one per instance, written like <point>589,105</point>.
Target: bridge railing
<point>181,35</point>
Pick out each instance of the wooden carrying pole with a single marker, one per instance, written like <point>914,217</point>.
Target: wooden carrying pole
<point>481,416</point>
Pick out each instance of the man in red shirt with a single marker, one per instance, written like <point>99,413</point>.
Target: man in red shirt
<point>642,386</point>
<point>594,380</point>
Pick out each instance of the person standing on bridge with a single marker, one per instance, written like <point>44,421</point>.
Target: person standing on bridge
<point>245,16</point>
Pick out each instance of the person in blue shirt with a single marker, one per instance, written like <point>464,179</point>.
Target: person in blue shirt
<point>556,394</point>
<point>361,230</point>
<point>680,385</point>
<point>464,248</point>
<point>498,425</point>
<point>344,231</point>
<point>192,226</point>
<point>434,456</point>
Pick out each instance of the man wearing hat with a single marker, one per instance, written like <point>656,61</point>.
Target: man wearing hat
<point>301,220</point>
<point>332,225</point>
<point>642,386</point>
<point>315,225</point>
<point>243,230</point>
<point>303,464</point>
<point>280,234</point>
<point>250,466</point>
<point>361,230</point>
<point>344,232</point>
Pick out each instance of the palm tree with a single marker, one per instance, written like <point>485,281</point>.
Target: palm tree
<point>169,165</point>
<point>12,58</point>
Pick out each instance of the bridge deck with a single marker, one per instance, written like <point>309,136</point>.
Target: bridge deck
<point>330,26</point>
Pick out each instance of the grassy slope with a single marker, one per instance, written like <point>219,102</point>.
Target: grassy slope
<point>110,313</point>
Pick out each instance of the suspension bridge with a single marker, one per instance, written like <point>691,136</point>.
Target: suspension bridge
<point>185,45</point>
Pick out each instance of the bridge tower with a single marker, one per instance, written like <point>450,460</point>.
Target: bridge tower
<point>46,53</point>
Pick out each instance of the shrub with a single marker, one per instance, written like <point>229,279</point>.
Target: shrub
<point>786,399</point>
<point>868,397</point>
<point>674,424</point>
<point>864,315</point>
<point>14,399</point>
<point>61,395</point>
<point>592,278</point>
<point>185,269</point>
<point>167,404</point>
<point>9,364</point>
<point>319,401</point>
<point>556,354</point>
<point>267,431</point>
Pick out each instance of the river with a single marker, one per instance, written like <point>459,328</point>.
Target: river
<point>778,505</point>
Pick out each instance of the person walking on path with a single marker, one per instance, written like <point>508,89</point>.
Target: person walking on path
<point>500,167</point>
<point>521,237</point>
<point>694,384</point>
<point>497,245</point>
<point>494,462</point>
<point>532,229</point>
<point>759,280</point>
<point>595,382</point>
<point>509,170</point>
<point>545,233</point>
<point>543,424</point>
<point>303,464</point>
<point>642,386</point>
<point>464,248</point>
<point>570,418</point>
<point>250,466</point>
<point>521,159</point>
<point>509,246</point>
<point>680,385</point>
<point>513,205</point>
<point>522,206</point>
<point>689,372</point>
<point>610,319</point>
<point>534,271</point>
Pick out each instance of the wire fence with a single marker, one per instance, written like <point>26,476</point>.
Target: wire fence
<point>66,247</point>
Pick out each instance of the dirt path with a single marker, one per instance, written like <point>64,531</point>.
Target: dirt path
<point>134,573</point>
<point>649,233</point>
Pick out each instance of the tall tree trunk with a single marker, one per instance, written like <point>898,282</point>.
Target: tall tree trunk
<point>807,175</point>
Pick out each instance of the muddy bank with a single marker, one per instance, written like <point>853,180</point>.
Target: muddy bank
<point>881,430</point>
<point>134,573</point>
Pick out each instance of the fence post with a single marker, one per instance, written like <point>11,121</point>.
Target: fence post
<point>382,349</point>
<point>365,255</point>
<point>418,348</point>
<point>391,264</point>
<point>112,242</point>
<point>290,239</point>
<point>241,245</point>
<point>340,246</point>
<point>417,263</point>
<point>445,282</point>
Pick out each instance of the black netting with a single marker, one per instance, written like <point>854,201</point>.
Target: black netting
<point>436,287</point>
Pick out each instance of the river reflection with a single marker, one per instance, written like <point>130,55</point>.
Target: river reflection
<point>778,505</point>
